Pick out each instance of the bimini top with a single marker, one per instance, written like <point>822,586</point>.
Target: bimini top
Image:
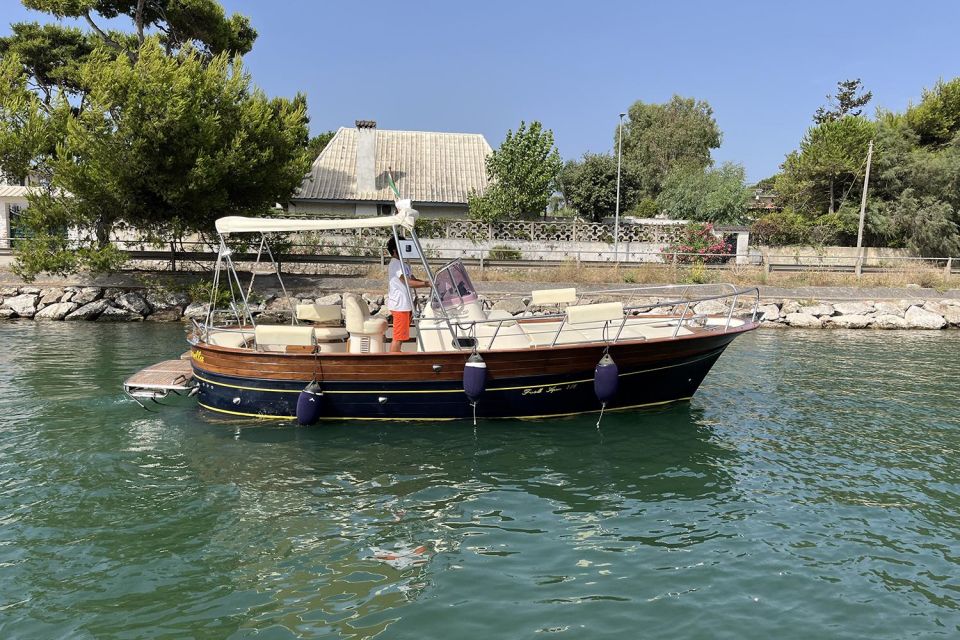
<point>405,217</point>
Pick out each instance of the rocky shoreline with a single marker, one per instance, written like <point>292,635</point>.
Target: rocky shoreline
<point>116,304</point>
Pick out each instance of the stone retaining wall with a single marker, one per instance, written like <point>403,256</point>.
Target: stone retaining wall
<point>102,304</point>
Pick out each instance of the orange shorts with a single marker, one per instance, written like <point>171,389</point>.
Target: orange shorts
<point>401,325</point>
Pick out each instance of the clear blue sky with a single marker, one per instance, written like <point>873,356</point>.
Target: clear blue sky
<point>483,66</point>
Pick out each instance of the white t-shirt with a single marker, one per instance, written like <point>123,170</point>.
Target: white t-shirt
<point>398,297</point>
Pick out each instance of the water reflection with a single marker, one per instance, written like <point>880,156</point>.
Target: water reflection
<point>819,469</point>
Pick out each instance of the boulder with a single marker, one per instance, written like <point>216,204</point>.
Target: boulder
<point>282,304</point>
<point>333,298</point>
<point>51,295</point>
<point>24,305</point>
<point>513,306</point>
<point>952,316</point>
<point>168,314</point>
<point>789,306</point>
<point>113,292</point>
<point>116,314</point>
<point>159,300</point>
<point>888,309</point>
<point>853,308</point>
<point>935,307</point>
<point>86,295</point>
<point>6,292</point>
<point>849,322</point>
<point>713,308</point>
<point>903,305</point>
<point>820,310</point>
<point>889,321</point>
<point>6,314</point>
<point>30,290</point>
<point>196,310</point>
<point>55,311</point>
<point>920,318</point>
<point>134,303</point>
<point>89,311</point>
<point>769,312</point>
<point>804,320</point>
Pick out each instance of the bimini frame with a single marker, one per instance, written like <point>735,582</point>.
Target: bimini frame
<point>405,219</point>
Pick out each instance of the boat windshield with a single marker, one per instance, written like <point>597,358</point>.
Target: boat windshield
<point>453,286</point>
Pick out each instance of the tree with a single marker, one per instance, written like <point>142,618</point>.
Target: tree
<point>318,143</point>
<point>936,120</point>
<point>924,225</point>
<point>160,131</point>
<point>830,158</point>
<point>590,186</point>
<point>848,101</point>
<point>658,137</point>
<point>717,195</point>
<point>523,173</point>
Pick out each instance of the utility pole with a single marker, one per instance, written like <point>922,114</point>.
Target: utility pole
<point>863,211</point>
<point>616,217</point>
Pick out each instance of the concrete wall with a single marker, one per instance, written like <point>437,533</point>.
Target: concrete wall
<point>589,251</point>
<point>828,255</point>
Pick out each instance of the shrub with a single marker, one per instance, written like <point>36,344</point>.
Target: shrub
<point>697,244</point>
<point>781,228</point>
<point>504,252</point>
<point>200,291</point>
<point>646,208</point>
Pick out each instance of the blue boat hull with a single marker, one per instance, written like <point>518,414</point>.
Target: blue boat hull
<point>667,380</point>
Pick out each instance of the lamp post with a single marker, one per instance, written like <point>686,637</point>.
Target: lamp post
<point>616,215</point>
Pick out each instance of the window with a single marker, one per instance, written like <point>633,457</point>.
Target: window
<point>384,209</point>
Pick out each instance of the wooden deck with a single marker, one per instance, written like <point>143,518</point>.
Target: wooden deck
<point>169,375</point>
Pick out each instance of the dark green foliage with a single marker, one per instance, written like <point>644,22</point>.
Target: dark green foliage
<point>590,186</point>
<point>645,208</point>
<point>848,101</point>
<point>159,131</point>
<point>937,118</point>
<point>504,252</point>
<point>831,158</point>
<point>318,143</point>
<point>716,195</point>
<point>659,137</point>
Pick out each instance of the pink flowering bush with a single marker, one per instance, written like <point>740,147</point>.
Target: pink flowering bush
<point>697,244</point>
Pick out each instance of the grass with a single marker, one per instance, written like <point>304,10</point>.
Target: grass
<point>740,275</point>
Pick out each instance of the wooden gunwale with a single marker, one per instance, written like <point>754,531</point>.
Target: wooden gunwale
<point>419,367</point>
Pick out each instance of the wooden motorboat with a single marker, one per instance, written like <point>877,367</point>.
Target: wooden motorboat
<point>569,353</point>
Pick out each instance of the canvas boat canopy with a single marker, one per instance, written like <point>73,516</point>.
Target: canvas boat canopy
<point>406,217</point>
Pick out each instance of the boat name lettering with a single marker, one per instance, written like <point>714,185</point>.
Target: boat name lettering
<point>197,355</point>
<point>552,389</point>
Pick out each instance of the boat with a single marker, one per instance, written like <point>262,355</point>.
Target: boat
<point>570,352</point>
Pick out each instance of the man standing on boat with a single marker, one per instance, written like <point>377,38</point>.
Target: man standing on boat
<point>398,296</point>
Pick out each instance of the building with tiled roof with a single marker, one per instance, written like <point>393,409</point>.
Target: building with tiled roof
<point>437,171</point>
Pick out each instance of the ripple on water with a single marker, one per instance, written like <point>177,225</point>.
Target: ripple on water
<point>810,489</point>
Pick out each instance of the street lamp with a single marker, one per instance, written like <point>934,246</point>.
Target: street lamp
<point>616,216</point>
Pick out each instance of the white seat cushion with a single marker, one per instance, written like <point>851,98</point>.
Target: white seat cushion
<point>553,296</point>
<point>374,325</point>
<point>330,334</point>
<point>227,339</point>
<point>286,335</point>
<point>320,313</point>
<point>599,312</point>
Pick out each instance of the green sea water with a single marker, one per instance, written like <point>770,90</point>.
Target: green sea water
<point>811,489</point>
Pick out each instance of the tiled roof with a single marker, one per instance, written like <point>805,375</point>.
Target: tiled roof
<point>13,191</point>
<point>427,167</point>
